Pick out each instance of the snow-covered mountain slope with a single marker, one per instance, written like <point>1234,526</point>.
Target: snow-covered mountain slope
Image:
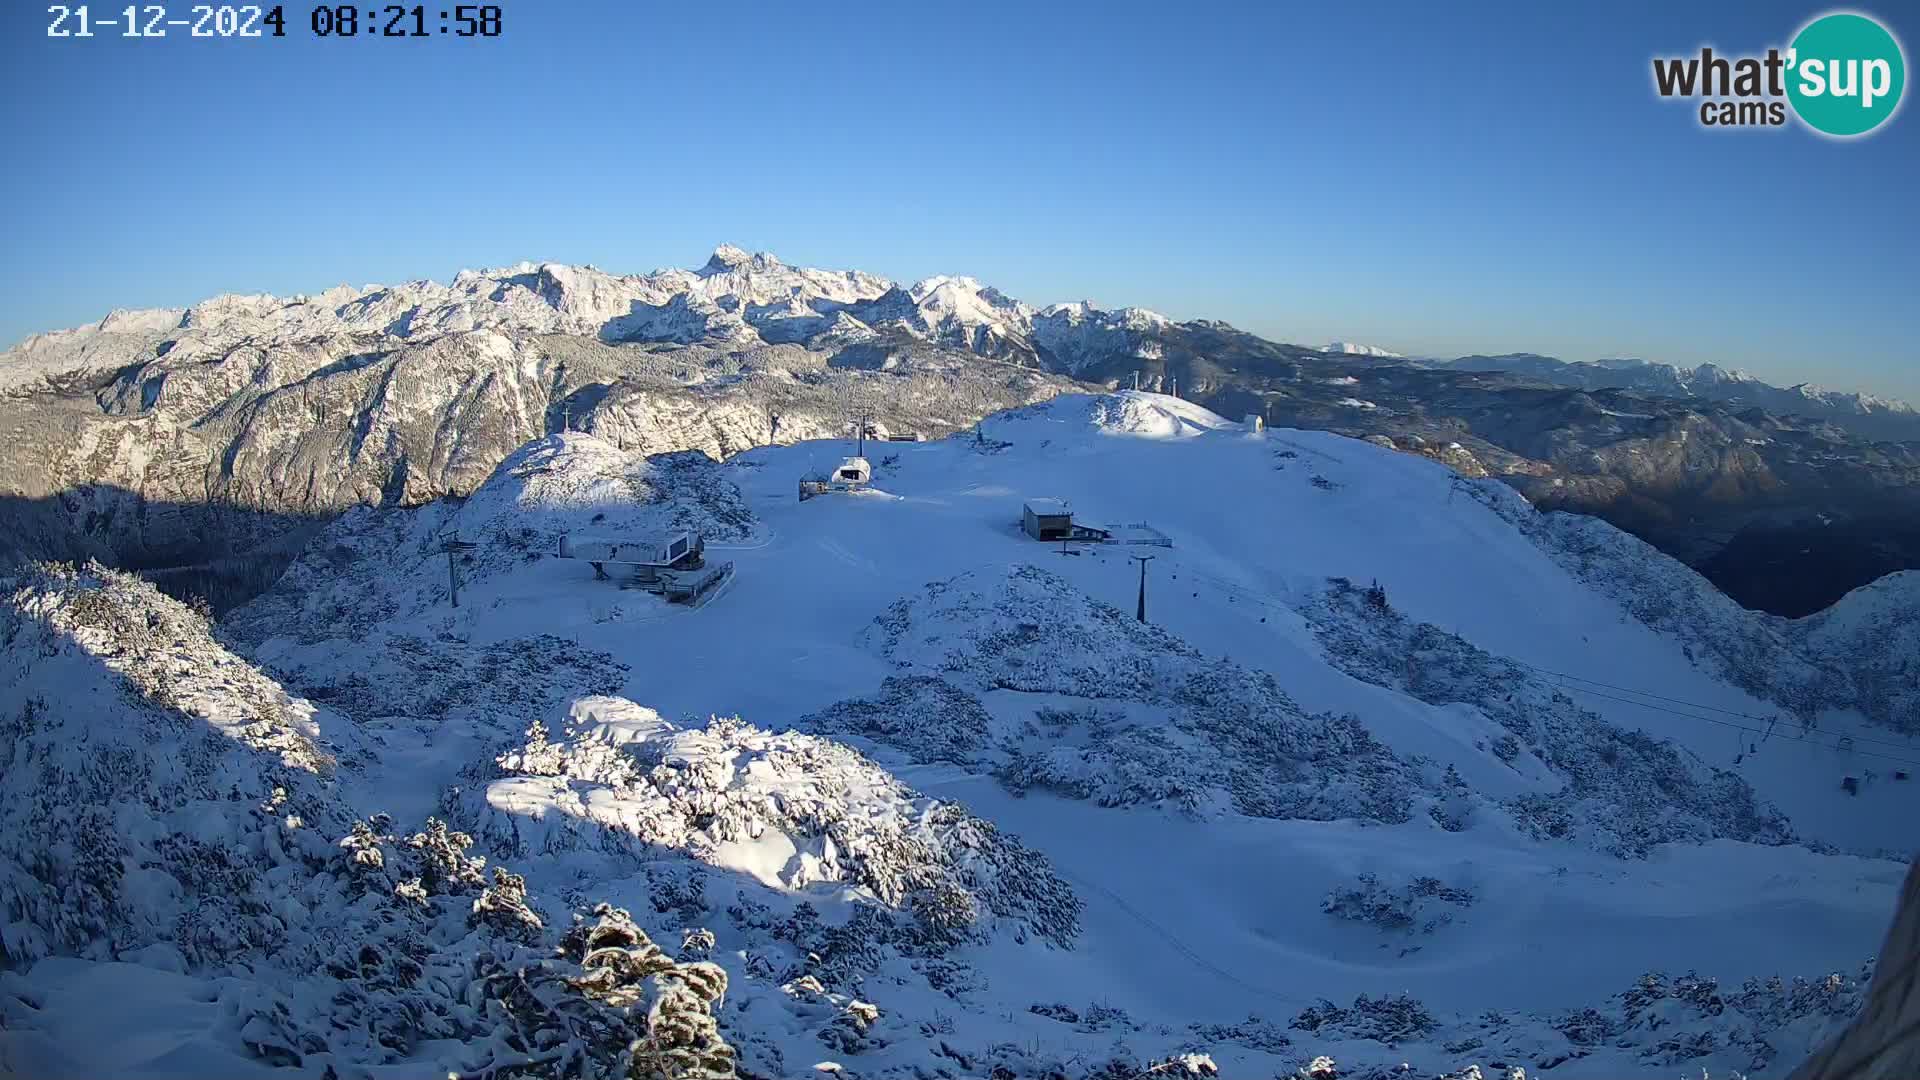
<point>1269,527</point>
<point>146,768</point>
<point>1857,655</point>
<point>973,816</point>
<point>1078,337</point>
<point>1878,627</point>
<point>955,311</point>
<point>231,459</point>
<point>183,837</point>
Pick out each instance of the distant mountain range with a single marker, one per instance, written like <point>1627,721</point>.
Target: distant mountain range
<point>167,438</point>
<point>1865,415</point>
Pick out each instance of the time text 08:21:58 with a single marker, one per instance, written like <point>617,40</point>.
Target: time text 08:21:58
<point>256,21</point>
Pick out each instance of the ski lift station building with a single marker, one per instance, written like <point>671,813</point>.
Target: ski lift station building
<point>1052,519</point>
<point>1048,519</point>
<point>673,566</point>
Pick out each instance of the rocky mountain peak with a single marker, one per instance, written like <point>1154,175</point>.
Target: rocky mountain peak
<point>728,257</point>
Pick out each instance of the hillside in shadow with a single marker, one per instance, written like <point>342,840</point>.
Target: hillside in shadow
<point>1795,569</point>
<point>223,555</point>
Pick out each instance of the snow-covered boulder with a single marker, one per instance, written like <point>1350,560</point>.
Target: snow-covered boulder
<point>790,811</point>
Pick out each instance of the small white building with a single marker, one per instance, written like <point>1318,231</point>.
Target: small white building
<point>1254,423</point>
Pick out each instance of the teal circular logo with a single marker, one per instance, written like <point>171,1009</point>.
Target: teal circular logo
<point>1845,73</point>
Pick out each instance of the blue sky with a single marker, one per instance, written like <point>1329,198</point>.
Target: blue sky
<point>1435,178</point>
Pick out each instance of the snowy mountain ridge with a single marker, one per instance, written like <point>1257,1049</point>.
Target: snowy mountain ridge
<point>735,297</point>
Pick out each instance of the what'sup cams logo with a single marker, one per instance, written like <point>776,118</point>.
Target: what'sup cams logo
<point>1842,76</point>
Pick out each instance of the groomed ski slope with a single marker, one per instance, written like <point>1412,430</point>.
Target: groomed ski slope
<point>1189,920</point>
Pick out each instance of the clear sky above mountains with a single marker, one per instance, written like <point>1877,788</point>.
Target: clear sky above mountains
<point>1430,178</point>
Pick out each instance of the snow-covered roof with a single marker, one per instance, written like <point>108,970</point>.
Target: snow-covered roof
<point>640,550</point>
<point>651,539</point>
<point>1048,507</point>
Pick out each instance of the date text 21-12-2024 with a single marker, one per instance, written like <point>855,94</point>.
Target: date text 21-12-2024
<point>256,21</point>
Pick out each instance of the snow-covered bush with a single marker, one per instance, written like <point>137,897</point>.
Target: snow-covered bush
<point>1009,1061</point>
<point>818,952</point>
<point>420,952</point>
<point>1101,756</point>
<point>1659,1024</point>
<point>495,690</point>
<point>1253,1033</point>
<point>1213,732</point>
<point>1389,1020</point>
<point>928,717</point>
<point>1625,791</point>
<point>151,779</point>
<point>1679,1018</point>
<point>1421,903</point>
<point>612,1003</point>
<point>165,801</point>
